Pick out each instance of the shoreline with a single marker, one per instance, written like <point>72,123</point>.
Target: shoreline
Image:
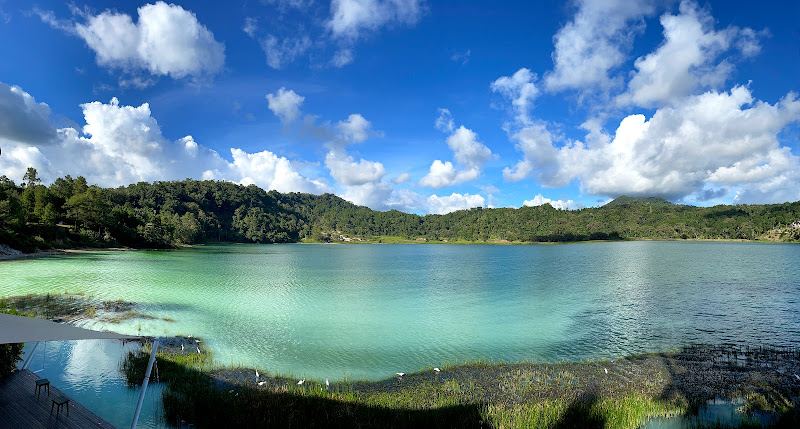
<point>630,391</point>
<point>9,254</point>
<point>14,254</point>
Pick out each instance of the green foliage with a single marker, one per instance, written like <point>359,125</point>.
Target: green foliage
<point>71,213</point>
<point>10,354</point>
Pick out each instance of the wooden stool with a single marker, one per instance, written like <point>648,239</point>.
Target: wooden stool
<point>60,401</point>
<point>42,382</point>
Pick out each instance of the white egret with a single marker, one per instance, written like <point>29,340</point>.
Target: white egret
<point>301,382</point>
<point>261,383</point>
<point>257,375</point>
<point>326,383</point>
<point>198,350</point>
<point>401,374</point>
<point>181,347</point>
<point>437,369</point>
<point>606,370</point>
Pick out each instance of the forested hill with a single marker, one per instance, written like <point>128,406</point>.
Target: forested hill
<point>71,213</point>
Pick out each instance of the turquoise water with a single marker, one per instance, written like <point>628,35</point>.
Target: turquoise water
<point>368,311</point>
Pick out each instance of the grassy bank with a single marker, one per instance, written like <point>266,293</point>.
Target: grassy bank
<point>623,393</point>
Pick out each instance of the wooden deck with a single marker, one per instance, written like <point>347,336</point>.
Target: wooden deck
<point>19,407</point>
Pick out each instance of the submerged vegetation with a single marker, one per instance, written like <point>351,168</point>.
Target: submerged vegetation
<point>623,393</point>
<point>72,307</point>
<point>70,213</point>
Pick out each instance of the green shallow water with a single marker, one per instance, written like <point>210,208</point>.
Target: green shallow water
<point>368,311</point>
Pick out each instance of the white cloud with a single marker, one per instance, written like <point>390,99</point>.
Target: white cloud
<point>350,18</point>
<point>22,119</point>
<point>685,60</point>
<point>453,202</point>
<point>520,89</point>
<point>540,158</point>
<point>406,200</point>
<point>342,57</point>
<point>346,171</point>
<point>355,129</point>
<point>443,174</point>
<point>285,104</point>
<point>401,178</point>
<point>282,52</point>
<point>166,40</point>
<point>270,171</point>
<point>709,140</point>
<point>539,200</point>
<point>250,26</point>
<point>371,194</point>
<point>594,43</point>
<point>124,144</point>
<point>470,154</point>
<point>444,122</point>
<point>467,150</point>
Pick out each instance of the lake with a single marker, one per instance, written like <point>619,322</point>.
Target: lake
<point>368,311</point>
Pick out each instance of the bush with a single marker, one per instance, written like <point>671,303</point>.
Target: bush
<point>10,354</point>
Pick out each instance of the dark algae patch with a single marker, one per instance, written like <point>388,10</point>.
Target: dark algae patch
<point>72,307</point>
<point>623,393</point>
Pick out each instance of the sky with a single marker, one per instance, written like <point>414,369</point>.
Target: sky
<point>414,105</point>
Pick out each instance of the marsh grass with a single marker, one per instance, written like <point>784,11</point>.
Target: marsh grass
<point>483,393</point>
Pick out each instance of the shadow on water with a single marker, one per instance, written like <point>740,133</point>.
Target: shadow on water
<point>731,387</point>
<point>193,397</point>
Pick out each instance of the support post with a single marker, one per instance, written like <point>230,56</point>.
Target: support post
<point>30,356</point>
<point>144,384</point>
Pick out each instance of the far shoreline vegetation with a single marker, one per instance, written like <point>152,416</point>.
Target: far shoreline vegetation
<point>756,381</point>
<point>71,214</point>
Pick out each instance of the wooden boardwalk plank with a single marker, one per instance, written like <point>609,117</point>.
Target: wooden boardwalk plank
<point>19,407</point>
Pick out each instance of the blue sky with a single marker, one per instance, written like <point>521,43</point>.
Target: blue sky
<point>414,105</point>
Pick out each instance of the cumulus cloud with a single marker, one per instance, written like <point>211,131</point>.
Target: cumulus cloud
<point>686,59</point>
<point>711,140</point>
<point>371,194</point>
<point>469,153</point>
<point>355,129</point>
<point>285,104</point>
<point>595,42</point>
<point>520,89</point>
<point>345,170</point>
<point>539,200</point>
<point>124,144</point>
<point>22,119</point>
<point>350,18</point>
<point>269,171</point>
<point>167,40</point>
<point>446,204</point>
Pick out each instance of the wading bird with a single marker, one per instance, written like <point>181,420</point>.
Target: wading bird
<point>301,382</point>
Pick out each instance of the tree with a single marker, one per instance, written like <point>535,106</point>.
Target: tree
<point>31,177</point>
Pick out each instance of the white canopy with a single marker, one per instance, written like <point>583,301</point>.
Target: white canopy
<point>18,329</point>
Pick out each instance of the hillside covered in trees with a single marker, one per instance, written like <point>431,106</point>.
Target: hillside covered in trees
<point>70,213</point>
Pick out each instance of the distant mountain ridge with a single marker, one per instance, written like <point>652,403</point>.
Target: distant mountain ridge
<point>69,213</point>
<point>625,200</point>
